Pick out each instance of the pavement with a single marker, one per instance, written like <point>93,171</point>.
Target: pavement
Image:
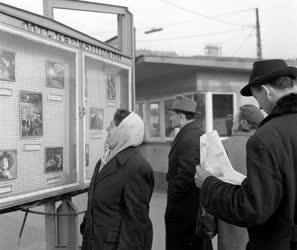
<point>33,237</point>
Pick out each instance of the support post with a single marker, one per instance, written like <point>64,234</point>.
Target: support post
<point>50,226</point>
<point>61,232</point>
<point>67,226</point>
<point>259,44</point>
<point>208,112</point>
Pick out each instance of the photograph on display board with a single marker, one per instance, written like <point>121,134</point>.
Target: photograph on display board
<point>54,75</point>
<point>111,87</point>
<point>87,155</point>
<point>31,114</point>
<point>96,118</point>
<point>53,159</point>
<point>7,65</point>
<point>8,164</point>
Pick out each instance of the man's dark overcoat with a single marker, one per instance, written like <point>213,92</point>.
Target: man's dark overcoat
<point>182,194</point>
<point>118,204</point>
<point>265,202</point>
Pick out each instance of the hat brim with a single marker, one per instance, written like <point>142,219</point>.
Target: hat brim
<point>182,110</point>
<point>287,71</point>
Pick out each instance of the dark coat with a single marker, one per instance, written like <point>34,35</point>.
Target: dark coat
<point>182,194</point>
<point>118,204</point>
<point>265,202</point>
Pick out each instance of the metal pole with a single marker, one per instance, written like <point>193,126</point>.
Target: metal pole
<point>133,68</point>
<point>259,45</point>
<point>67,226</point>
<point>50,226</point>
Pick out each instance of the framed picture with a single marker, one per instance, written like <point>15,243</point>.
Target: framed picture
<point>8,164</point>
<point>96,118</point>
<point>7,65</point>
<point>55,75</point>
<point>111,87</point>
<point>53,159</point>
<point>31,114</point>
<point>87,159</point>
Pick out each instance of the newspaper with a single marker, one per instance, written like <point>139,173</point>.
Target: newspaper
<point>213,154</point>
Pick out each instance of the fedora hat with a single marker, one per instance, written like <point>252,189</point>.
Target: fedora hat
<point>266,70</point>
<point>185,104</point>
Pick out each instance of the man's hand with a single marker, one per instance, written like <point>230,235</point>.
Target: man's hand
<point>200,176</point>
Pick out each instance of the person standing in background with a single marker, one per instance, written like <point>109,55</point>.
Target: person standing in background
<point>182,195</point>
<point>248,119</point>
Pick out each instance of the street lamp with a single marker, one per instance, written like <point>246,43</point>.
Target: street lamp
<point>153,30</point>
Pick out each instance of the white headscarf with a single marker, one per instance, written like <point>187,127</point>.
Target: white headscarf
<point>130,132</point>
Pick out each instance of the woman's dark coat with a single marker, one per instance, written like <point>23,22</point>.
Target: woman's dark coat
<point>118,205</point>
<point>265,202</point>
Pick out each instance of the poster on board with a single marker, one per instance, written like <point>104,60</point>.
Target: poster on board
<point>7,65</point>
<point>8,164</point>
<point>53,159</point>
<point>55,75</point>
<point>96,118</point>
<point>111,94</point>
<point>31,114</point>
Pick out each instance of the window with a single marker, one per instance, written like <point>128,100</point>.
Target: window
<point>200,99</point>
<point>155,120</point>
<point>222,112</point>
<point>139,109</point>
<point>169,130</point>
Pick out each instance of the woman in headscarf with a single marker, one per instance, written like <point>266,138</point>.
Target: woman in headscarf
<point>120,191</point>
<point>247,120</point>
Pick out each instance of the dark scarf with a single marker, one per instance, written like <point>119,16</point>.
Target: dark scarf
<point>285,105</point>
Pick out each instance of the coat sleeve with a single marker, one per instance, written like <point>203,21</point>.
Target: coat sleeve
<point>259,195</point>
<point>188,156</point>
<point>90,191</point>
<point>136,223</point>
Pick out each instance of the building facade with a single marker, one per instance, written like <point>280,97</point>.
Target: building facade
<point>213,82</point>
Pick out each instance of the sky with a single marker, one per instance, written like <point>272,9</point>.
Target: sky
<point>189,25</point>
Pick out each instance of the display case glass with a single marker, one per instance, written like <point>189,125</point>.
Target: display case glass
<point>107,87</point>
<point>38,128</point>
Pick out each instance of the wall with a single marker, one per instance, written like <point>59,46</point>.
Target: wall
<point>169,85</point>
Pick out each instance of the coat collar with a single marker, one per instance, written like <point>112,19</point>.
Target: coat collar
<point>193,124</point>
<point>126,154</point>
<point>285,105</point>
<point>116,162</point>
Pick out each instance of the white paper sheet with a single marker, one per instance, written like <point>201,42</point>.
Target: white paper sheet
<point>213,154</point>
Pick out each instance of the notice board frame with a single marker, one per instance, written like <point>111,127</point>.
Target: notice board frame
<point>85,181</point>
<point>49,32</point>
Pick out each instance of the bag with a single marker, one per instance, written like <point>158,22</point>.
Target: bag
<point>206,224</point>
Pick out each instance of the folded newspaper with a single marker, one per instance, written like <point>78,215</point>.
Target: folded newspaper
<point>213,154</point>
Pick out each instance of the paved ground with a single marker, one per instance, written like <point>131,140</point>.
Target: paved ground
<point>34,233</point>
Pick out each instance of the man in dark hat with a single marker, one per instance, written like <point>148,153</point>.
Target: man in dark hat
<point>182,194</point>
<point>266,200</point>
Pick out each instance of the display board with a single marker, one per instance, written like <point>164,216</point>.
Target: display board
<point>107,86</point>
<point>38,128</point>
<point>59,90</point>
